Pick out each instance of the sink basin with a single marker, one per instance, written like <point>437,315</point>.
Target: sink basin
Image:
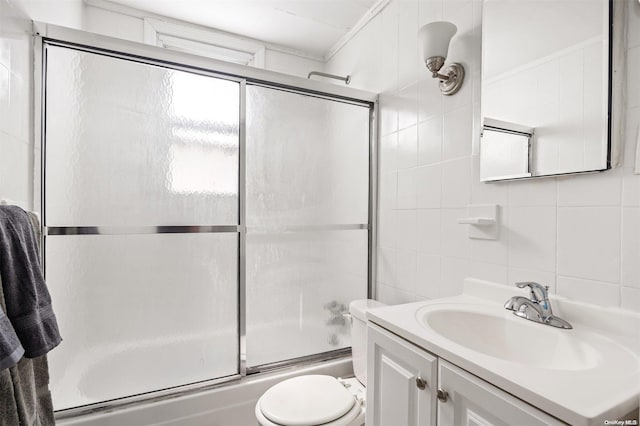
<point>502,335</point>
<point>581,376</point>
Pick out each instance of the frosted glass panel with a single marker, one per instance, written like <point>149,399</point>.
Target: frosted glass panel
<point>307,160</point>
<point>141,312</point>
<point>298,286</point>
<point>136,144</point>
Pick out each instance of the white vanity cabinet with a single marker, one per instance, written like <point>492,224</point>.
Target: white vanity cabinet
<point>402,389</point>
<point>401,381</point>
<point>471,401</point>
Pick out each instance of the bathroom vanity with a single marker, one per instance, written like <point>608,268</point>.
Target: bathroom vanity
<point>468,361</point>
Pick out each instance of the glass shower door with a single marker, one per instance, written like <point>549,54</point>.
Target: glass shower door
<point>307,216</point>
<point>141,166</point>
<point>194,224</point>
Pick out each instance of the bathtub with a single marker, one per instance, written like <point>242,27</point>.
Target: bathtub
<point>228,404</point>
<point>80,377</point>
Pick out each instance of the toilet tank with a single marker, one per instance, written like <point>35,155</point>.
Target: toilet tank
<point>358,310</point>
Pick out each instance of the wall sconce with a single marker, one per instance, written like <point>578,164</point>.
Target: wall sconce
<point>434,39</point>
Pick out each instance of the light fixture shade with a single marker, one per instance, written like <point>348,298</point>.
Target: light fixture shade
<point>435,37</point>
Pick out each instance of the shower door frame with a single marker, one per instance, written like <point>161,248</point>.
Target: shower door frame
<point>152,55</point>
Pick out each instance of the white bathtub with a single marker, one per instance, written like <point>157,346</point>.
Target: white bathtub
<point>227,405</point>
<point>111,371</point>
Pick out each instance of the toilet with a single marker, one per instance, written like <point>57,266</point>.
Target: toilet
<point>323,400</point>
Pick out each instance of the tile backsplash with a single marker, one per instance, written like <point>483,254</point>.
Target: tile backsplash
<point>578,234</point>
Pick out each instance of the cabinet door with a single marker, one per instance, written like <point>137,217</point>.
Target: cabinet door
<point>401,384</point>
<point>474,402</point>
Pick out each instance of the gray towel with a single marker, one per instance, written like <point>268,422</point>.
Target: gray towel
<point>25,398</point>
<point>28,304</point>
<point>10,348</point>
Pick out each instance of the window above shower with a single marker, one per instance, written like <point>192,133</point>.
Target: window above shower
<point>208,43</point>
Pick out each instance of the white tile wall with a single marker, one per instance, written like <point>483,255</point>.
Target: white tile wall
<point>394,296</point>
<point>488,251</point>
<point>631,247</point>
<point>578,234</point>
<point>454,241</point>
<point>428,227</point>
<point>488,271</point>
<point>453,271</point>
<point>407,236</point>
<point>630,189</point>
<point>407,271</point>
<point>408,147</point>
<point>599,189</point>
<point>429,171</point>
<point>590,291</point>
<point>531,237</point>
<point>589,242</point>
<point>630,298</point>
<point>456,182</point>
<point>388,188</point>
<point>539,192</point>
<point>482,193</point>
<point>430,141</point>
<point>388,228</point>
<point>430,186</point>
<point>389,153</point>
<point>429,278</point>
<point>407,188</point>
<point>16,151</point>
<point>456,132</point>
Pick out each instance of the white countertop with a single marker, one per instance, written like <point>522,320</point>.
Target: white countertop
<point>607,388</point>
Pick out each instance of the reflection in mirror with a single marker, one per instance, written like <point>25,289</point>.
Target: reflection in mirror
<point>545,67</point>
<point>505,150</point>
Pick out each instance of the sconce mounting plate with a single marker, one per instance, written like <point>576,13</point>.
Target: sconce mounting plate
<point>455,72</point>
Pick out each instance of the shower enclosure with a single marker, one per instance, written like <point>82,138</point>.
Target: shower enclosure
<point>202,221</point>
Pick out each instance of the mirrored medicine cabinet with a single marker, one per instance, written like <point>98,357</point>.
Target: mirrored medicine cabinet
<point>546,88</point>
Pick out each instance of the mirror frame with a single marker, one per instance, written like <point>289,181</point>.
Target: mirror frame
<point>616,58</point>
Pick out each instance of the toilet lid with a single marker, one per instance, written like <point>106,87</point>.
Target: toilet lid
<point>306,400</point>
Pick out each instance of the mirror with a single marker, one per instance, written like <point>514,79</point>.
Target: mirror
<point>545,87</point>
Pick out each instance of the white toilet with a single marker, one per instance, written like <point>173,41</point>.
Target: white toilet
<point>323,400</point>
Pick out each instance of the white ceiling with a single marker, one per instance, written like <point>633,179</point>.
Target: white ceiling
<point>312,26</point>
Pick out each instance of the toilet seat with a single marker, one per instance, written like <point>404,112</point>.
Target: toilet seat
<point>309,400</point>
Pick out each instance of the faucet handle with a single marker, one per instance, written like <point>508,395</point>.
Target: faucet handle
<point>537,292</point>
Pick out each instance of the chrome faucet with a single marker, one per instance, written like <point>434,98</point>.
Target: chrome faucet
<point>537,307</point>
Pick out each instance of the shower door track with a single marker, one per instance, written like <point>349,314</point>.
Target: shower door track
<point>46,34</point>
<point>194,64</point>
